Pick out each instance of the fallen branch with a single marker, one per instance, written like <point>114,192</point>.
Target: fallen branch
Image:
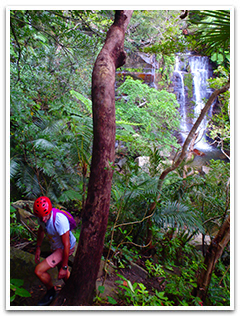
<point>34,235</point>
<point>23,244</point>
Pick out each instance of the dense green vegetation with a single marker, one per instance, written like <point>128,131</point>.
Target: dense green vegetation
<point>52,57</point>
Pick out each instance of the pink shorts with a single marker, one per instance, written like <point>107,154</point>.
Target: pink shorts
<point>56,257</point>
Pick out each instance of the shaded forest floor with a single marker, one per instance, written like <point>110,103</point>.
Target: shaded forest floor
<point>133,273</point>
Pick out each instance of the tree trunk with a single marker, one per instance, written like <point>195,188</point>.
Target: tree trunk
<point>214,252</point>
<point>79,290</point>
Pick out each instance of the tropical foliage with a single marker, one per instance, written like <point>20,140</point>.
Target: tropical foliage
<point>220,123</point>
<point>212,34</point>
<point>146,116</point>
<point>52,53</point>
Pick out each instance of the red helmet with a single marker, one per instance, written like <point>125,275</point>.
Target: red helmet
<point>42,206</point>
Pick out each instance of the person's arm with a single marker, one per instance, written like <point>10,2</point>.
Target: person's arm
<point>66,243</point>
<point>40,236</point>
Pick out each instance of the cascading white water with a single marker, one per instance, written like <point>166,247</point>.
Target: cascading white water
<point>198,67</point>
<point>181,96</point>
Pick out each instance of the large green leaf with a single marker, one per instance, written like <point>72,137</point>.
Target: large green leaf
<point>16,286</point>
<point>211,30</point>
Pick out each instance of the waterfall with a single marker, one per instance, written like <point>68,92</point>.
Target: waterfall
<point>192,97</point>
<point>179,83</point>
<point>199,66</point>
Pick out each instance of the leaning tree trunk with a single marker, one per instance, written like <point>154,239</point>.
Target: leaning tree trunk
<point>181,156</point>
<point>214,252</point>
<point>80,287</point>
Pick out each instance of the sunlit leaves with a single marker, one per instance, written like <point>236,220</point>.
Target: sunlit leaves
<point>153,115</point>
<point>156,31</point>
<point>211,32</point>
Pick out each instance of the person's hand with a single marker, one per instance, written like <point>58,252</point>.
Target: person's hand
<point>37,255</point>
<point>62,273</point>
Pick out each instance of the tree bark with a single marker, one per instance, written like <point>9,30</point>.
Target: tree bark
<point>79,290</point>
<point>214,252</point>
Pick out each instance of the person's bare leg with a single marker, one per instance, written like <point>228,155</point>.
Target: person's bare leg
<point>41,273</point>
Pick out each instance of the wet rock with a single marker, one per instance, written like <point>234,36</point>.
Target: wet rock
<point>24,204</point>
<point>205,169</point>
<point>198,152</point>
<point>197,242</point>
<point>139,270</point>
<point>22,266</point>
<point>143,162</point>
<point>121,162</point>
<point>109,289</point>
<point>110,270</point>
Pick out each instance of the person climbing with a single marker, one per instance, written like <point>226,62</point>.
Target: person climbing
<point>56,227</point>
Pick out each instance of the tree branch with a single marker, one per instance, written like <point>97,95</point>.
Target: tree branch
<point>66,51</point>
<point>191,134</point>
<point>194,129</point>
<point>214,252</point>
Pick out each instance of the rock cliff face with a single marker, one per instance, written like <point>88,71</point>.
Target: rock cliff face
<point>189,84</point>
<point>140,66</point>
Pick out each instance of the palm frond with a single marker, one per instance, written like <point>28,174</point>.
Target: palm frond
<point>15,166</point>
<point>43,144</point>
<point>174,214</point>
<point>70,195</point>
<point>142,185</point>
<point>53,127</point>
<point>28,183</point>
<point>213,29</point>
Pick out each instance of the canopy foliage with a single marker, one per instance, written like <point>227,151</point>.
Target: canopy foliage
<point>52,53</point>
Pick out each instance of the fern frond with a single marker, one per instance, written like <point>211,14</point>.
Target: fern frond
<point>174,214</point>
<point>28,183</point>
<point>141,186</point>
<point>15,166</point>
<point>70,195</point>
<point>43,144</point>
